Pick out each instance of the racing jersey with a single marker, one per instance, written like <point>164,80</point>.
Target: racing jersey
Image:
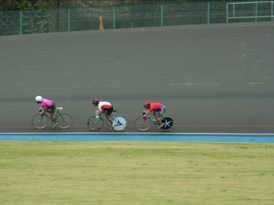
<point>104,105</point>
<point>45,104</point>
<point>155,106</point>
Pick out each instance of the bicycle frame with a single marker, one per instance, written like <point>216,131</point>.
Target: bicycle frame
<point>96,123</point>
<point>63,120</point>
<point>57,114</point>
<point>105,119</point>
<point>152,117</point>
<point>146,120</point>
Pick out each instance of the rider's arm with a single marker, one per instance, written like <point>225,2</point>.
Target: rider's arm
<point>99,113</point>
<point>148,113</point>
<point>45,110</point>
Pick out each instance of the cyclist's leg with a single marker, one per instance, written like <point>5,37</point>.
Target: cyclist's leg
<point>159,114</point>
<point>157,117</point>
<point>51,111</point>
<point>108,114</point>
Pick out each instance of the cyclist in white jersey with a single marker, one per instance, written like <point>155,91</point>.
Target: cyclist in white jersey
<point>104,107</point>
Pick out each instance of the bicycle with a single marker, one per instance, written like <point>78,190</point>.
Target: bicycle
<point>63,120</point>
<point>94,123</point>
<point>145,122</point>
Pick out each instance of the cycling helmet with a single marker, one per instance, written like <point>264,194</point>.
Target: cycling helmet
<point>147,105</point>
<point>95,102</point>
<point>38,99</point>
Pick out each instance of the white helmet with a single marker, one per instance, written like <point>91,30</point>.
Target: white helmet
<point>38,99</point>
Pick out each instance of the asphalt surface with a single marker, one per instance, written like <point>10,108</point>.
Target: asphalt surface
<point>212,78</point>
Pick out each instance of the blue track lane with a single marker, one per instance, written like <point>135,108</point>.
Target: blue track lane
<point>174,138</point>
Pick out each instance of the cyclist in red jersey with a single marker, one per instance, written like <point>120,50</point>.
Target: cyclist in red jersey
<point>157,109</point>
<point>104,107</point>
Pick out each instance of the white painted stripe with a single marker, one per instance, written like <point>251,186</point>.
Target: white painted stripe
<point>194,84</point>
<point>138,133</point>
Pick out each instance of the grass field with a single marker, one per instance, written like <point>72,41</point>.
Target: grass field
<point>36,172</point>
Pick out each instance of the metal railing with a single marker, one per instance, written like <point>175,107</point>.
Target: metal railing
<point>134,16</point>
<point>250,11</point>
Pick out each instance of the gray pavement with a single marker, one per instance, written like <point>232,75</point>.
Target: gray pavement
<point>212,78</point>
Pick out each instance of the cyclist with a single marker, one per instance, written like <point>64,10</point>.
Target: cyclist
<point>47,106</point>
<point>157,109</point>
<point>104,107</point>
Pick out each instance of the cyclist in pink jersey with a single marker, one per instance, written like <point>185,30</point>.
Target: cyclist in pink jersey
<point>47,106</point>
<point>157,109</point>
<point>104,107</point>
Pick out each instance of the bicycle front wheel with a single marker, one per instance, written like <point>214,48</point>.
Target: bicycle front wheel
<point>143,124</point>
<point>39,121</point>
<point>95,123</point>
<point>64,121</point>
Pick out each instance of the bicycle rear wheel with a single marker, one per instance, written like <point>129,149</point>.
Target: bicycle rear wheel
<point>64,120</point>
<point>95,123</point>
<point>119,123</point>
<point>39,121</point>
<point>143,124</point>
<point>168,123</point>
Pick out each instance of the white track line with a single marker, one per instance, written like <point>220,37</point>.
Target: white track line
<point>138,133</point>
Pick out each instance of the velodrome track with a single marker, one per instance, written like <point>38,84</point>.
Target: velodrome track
<point>212,78</point>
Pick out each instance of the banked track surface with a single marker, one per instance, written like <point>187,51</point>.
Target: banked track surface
<point>212,78</point>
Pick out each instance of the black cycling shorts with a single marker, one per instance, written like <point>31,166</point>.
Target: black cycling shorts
<point>52,109</point>
<point>109,111</point>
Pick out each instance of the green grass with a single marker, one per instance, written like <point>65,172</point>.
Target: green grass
<point>136,173</point>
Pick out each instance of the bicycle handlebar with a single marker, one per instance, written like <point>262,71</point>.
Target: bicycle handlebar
<point>145,113</point>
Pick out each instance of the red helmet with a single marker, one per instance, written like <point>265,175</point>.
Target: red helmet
<point>95,102</point>
<point>147,105</point>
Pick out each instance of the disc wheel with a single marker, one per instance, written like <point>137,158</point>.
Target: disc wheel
<point>168,123</point>
<point>119,124</point>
